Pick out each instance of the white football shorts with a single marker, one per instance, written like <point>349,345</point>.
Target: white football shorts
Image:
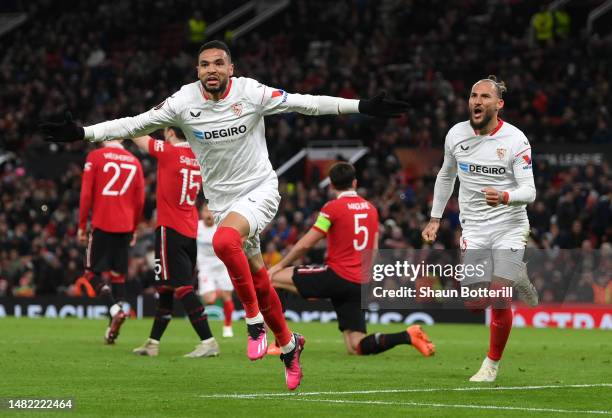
<point>259,206</point>
<point>497,248</point>
<point>213,278</point>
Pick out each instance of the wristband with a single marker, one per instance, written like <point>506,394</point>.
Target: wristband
<point>505,196</point>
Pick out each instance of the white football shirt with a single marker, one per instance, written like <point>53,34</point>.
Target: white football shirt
<point>227,136</point>
<point>497,160</point>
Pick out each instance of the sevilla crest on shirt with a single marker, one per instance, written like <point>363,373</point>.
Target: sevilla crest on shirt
<point>237,109</point>
<point>501,153</point>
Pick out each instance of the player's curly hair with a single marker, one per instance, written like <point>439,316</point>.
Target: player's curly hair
<point>500,86</point>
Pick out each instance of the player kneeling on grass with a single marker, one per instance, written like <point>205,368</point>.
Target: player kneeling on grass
<point>213,278</point>
<point>340,278</point>
<point>178,185</point>
<point>493,161</point>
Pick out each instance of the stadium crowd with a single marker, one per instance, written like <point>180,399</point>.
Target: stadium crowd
<point>115,59</point>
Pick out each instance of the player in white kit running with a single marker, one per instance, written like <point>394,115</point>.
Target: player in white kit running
<point>493,161</point>
<point>223,120</point>
<point>213,279</point>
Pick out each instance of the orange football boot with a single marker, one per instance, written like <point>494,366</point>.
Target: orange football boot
<point>420,340</point>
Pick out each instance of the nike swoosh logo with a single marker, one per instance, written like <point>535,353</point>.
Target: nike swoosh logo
<point>250,200</point>
<point>195,115</point>
<point>525,142</point>
<point>464,148</point>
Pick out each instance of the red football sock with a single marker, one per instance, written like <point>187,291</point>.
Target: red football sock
<point>501,324</point>
<point>228,308</point>
<point>228,247</point>
<point>271,307</point>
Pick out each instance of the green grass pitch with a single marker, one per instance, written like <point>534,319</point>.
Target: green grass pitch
<point>42,358</point>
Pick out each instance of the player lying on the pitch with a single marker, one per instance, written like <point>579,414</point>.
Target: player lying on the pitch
<point>340,278</point>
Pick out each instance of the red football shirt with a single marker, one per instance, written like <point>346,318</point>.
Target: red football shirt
<point>113,189</point>
<point>351,225</point>
<point>178,184</point>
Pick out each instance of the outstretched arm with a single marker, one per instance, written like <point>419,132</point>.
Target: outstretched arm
<point>275,101</point>
<point>68,131</point>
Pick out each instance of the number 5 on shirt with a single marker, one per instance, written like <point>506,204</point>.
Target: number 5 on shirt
<point>360,228</point>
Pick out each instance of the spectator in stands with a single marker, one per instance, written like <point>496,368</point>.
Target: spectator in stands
<point>271,256</point>
<point>562,23</point>
<point>25,287</point>
<point>4,288</point>
<point>196,27</point>
<point>542,26</point>
<point>283,233</point>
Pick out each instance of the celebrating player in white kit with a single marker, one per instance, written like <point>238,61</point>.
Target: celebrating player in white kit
<point>223,119</point>
<point>493,161</point>
<point>213,279</point>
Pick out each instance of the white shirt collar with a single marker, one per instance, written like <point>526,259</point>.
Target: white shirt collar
<point>347,193</point>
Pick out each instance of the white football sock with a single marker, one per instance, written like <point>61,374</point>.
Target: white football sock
<point>289,346</point>
<point>257,319</point>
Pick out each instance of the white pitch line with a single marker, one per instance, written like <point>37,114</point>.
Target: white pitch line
<point>416,390</point>
<point>444,405</point>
